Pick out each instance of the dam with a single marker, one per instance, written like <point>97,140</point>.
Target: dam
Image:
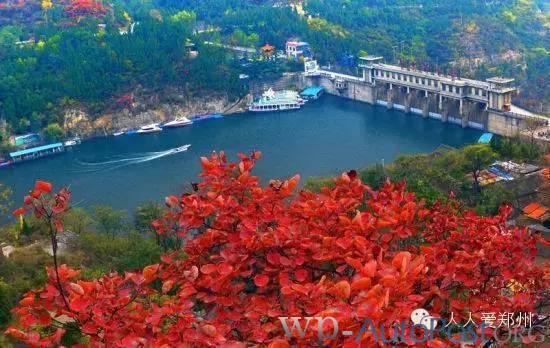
<point>485,105</point>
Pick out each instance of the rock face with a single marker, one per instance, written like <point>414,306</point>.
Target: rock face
<point>141,111</point>
<point>77,121</point>
<point>7,250</point>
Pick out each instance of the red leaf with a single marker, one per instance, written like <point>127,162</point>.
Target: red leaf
<point>261,280</point>
<point>167,286</point>
<point>341,289</point>
<point>58,226</point>
<point>273,258</point>
<point>19,211</point>
<point>361,284</point>
<point>209,330</point>
<point>49,292</point>
<point>171,201</point>
<point>43,186</point>
<point>27,301</point>
<point>301,274</point>
<point>225,269</point>
<point>150,272</point>
<point>279,343</point>
<point>76,288</point>
<point>209,268</point>
<point>11,331</point>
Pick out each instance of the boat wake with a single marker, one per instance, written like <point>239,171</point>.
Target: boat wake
<point>91,167</point>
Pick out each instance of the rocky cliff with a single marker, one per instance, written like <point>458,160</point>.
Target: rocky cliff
<point>137,111</point>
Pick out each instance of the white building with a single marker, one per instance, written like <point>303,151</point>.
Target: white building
<point>297,49</point>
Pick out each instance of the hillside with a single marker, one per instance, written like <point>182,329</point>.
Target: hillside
<point>93,53</point>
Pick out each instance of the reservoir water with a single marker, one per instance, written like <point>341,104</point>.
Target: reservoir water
<point>325,137</point>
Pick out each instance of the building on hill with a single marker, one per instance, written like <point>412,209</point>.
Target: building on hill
<point>268,51</point>
<point>298,49</point>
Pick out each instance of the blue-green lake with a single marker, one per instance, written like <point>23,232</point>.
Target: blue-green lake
<point>325,137</point>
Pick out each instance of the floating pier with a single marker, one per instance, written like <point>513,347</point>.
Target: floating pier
<point>36,152</point>
<point>312,92</point>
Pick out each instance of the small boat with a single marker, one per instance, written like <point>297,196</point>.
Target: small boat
<point>72,142</point>
<point>182,148</point>
<point>205,117</point>
<point>119,133</point>
<point>178,122</point>
<point>5,163</point>
<point>150,128</point>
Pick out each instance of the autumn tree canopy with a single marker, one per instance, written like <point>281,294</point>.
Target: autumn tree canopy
<point>78,8</point>
<point>250,254</point>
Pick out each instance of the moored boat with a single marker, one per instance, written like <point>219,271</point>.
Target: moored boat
<point>204,117</point>
<point>178,122</point>
<point>277,101</point>
<point>119,133</point>
<point>36,152</point>
<point>72,142</point>
<point>291,95</point>
<point>5,163</point>
<point>150,128</point>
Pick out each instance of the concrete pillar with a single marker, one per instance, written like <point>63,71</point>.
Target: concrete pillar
<point>426,106</point>
<point>442,110</point>
<point>408,98</point>
<point>444,115</point>
<point>464,116</point>
<point>461,108</point>
<point>390,97</point>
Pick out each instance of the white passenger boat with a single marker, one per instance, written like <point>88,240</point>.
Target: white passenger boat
<point>150,128</point>
<point>119,133</point>
<point>276,101</point>
<point>178,122</point>
<point>291,95</point>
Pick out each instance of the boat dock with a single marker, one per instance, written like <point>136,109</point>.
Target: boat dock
<point>312,93</point>
<point>36,152</point>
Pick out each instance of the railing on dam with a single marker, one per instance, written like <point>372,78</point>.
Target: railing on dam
<point>335,75</point>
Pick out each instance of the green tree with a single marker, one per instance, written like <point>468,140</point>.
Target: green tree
<point>110,221</point>
<point>53,132</point>
<point>477,157</point>
<point>5,199</point>
<point>7,301</point>
<point>145,214</point>
<point>103,253</point>
<point>78,220</point>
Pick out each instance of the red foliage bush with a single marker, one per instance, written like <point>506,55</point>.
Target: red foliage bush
<point>80,8</point>
<point>252,254</point>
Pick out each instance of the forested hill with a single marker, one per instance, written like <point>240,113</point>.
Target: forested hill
<point>55,53</point>
<point>478,38</point>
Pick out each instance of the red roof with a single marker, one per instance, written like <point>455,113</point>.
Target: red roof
<point>535,211</point>
<point>528,209</point>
